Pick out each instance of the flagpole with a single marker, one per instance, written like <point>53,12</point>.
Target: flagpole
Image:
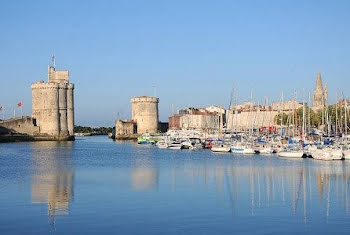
<point>21,110</point>
<point>14,113</point>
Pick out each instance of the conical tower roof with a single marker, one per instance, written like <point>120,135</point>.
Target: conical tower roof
<point>319,82</point>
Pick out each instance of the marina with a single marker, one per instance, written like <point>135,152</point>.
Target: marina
<point>174,117</point>
<point>57,187</point>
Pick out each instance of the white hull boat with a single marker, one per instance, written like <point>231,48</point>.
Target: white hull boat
<point>175,146</point>
<point>162,145</point>
<point>266,150</point>
<point>291,154</point>
<point>242,150</point>
<point>186,144</point>
<point>327,154</point>
<point>196,147</point>
<point>221,148</point>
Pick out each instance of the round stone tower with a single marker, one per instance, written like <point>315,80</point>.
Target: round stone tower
<point>45,105</point>
<point>145,113</point>
<point>52,102</point>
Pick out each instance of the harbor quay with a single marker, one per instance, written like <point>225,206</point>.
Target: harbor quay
<point>289,128</point>
<point>286,126</point>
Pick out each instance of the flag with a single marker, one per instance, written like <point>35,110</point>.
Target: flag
<point>19,104</point>
<point>0,108</point>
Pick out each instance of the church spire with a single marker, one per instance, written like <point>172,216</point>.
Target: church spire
<point>320,93</point>
<point>319,82</point>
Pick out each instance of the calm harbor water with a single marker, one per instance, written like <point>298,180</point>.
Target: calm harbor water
<point>95,185</point>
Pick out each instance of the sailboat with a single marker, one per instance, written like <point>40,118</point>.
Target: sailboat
<point>326,154</point>
<point>288,153</point>
<point>242,148</point>
<point>221,148</point>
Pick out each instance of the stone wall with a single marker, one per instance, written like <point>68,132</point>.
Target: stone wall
<point>125,128</point>
<point>202,122</point>
<point>243,120</point>
<point>25,125</point>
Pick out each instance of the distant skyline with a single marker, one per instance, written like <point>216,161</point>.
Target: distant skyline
<point>192,52</point>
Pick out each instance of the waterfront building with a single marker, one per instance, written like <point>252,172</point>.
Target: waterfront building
<point>250,116</point>
<point>199,119</point>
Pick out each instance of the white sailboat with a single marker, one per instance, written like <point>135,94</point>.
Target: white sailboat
<point>326,154</point>
<point>221,148</point>
<point>174,145</point>
<point>241,148</point>
<point>162,144</point>
<point>266,150</point>
<point>291,153</point>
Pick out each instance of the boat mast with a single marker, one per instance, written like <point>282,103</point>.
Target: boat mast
<point>309,114</point>
<point>304,120</point>
<point>336,114</point>
<point>281,113</point>
<point>346,113</point>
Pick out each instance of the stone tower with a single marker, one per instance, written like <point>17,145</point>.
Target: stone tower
<point>53,104</point>
<point>320,94</point>
<point>145,114</point>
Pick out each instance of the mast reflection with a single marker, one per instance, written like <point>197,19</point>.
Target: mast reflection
<point>259,184</point>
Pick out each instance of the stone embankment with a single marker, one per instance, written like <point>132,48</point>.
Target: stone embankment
<point>25,129</point>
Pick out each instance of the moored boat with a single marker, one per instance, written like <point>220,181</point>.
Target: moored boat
<point>221,148</point>
<point>291,153</point>
<point>242,148</point>
<point>175,146</point>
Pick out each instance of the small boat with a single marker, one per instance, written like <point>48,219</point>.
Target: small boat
<point>208,144</point>
<point>145,140</point>
<point>221,148</point>
<point>175,146</point>
<point>243,149</point>
<point>266,150</point>
<point>186,144</point>
<point>162,145</point>
<point>291,153</point>
<point>148,139</point>
<point>325,153</point>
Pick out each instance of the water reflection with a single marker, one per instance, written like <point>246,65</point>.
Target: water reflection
<point>305,186</point>
<point>144,178</point>
<point>53,177</point>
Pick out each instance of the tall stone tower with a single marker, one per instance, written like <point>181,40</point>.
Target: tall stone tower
<point>320,94</point>
<point>145,114</point>
<point>53,104</point>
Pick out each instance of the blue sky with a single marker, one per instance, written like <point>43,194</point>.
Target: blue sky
<point>193,52</point>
